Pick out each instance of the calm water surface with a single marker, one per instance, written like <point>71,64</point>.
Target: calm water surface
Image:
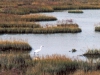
<point>63,43</point>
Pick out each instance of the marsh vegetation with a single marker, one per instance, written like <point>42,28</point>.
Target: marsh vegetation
<point>20,16</point>
<point>22,64</point>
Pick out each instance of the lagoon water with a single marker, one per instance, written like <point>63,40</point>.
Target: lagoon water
<point>62,43</point>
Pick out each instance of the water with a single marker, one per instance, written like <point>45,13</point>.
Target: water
<point>62,43</point>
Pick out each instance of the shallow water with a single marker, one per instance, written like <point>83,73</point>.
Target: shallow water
<point>63,43</point>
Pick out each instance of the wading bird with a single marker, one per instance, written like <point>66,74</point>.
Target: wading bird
<point>33,52</point>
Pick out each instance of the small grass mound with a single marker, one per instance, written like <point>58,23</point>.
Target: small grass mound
<point>97,29</point>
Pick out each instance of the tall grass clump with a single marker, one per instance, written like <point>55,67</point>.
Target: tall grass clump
<point>6,45</point>
<point>37,17</point>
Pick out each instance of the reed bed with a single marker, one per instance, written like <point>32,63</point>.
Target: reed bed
<point>37,17</point>
<point>6,45</point>
<point>22,64</point>
<point>75,11</point>
<point>44,65</point>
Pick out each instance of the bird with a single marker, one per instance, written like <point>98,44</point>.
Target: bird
<point>32,53</point>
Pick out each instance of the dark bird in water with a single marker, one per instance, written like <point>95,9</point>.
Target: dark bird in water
<point>73,50</point>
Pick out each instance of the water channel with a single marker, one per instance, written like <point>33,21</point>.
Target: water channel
<point>62,43</point>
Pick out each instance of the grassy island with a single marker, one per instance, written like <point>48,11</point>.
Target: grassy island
<point>57,30</point>
<point>14,45</point>
<point>26,26</point>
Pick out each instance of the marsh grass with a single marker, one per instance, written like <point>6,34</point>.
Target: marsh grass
<point>37,17</point>
<point>6,45</point>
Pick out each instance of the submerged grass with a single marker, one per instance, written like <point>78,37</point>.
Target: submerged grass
<point>75,11</point>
